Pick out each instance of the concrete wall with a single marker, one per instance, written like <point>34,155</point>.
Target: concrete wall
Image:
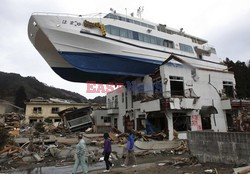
<point>99,115</point>
<point>222,147</point>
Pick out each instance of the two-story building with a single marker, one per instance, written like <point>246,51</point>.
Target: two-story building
<point>39,109</point>
<point>178,96</point>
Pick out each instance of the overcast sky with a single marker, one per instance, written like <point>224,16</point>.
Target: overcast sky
<point>224,23</point>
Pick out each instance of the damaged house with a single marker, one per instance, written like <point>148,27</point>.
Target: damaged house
<point>178,97</point>
<point>39,109</point>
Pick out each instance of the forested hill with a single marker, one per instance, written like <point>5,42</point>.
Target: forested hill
<point>242,76</point>
<point>11,83</point>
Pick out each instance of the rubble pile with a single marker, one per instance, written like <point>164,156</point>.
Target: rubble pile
<point>44,143</point>
<point>13,119</point>
<point>243,122</point>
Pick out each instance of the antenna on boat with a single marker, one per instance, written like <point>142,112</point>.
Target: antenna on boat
<point>112,10</point>
<point>139,11</point>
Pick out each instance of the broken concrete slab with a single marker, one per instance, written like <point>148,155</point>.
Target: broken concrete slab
<point>157,145</point>
<point>37,157</point>
<point>242,170</point>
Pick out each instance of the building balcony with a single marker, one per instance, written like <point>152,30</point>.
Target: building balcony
<point>179,103</point>
<point>150,106</point>
<point>113,111</point>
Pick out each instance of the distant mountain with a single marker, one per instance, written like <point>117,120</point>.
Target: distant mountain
<point>98,99</point>
<point>11,82</point>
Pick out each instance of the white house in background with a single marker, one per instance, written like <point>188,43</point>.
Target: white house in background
<point>177,96</point>
<point>102,121</point>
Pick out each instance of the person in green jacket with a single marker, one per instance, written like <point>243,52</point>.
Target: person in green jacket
<point>80,156</point>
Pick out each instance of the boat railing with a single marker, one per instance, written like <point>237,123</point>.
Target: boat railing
<point>92,15</point>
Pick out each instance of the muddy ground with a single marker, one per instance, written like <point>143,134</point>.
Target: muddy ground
<point>146,165</point>
<point>150,165</point>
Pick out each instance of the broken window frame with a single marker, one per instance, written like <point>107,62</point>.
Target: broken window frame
<point>187,120</point>
<point>228,88</point>
<point>54,110</point>
<point>37,110</point>
<point>176,79</point>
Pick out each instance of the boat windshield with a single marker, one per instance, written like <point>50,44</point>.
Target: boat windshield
<point>121,18</point>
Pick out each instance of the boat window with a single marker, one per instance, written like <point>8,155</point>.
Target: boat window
<point>151,26</point>
<point>159,41</point>
<point>169,44</point>
<point>186,48</point>
<point>122,18</point>
<point>130,34</point>
<point>130,20</point>
<point>141,37</point>
<point>137,22</point>
<point>212,50</point>
<point>153,40</point>
<point>113,16</point>
<point>144,25</point>
<point>115,31</point>
<point>135,35</point>
<point>123,32</point>
<point>108,28</point>
<point>147,38</point>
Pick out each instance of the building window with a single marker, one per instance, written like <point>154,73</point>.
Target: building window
<point>106,119</point>
<point>181,122</point>
<point>116,123</point>
<point>126,98</point>
<point>54,110</point>
<point>176,86</point>
<point>228,89</point>
<point>122,97</point>
<point>116,101</point>
<point>186,48</point>
<point>37,110</point>
<point>57,120</point>
<point>206,123</point>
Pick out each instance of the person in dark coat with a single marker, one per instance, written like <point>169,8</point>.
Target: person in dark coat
<point>106,152</point>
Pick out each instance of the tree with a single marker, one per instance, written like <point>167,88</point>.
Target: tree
<point>20,97</point>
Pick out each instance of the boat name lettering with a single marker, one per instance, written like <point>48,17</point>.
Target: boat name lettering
<point>64,21</point>
<point>75,23</point>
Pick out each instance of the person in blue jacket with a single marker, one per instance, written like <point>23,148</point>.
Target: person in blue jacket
<point>80,156</point>
<point>130,150</point>
<point>106,152</point>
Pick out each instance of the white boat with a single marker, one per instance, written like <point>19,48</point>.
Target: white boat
<point>113,47</point>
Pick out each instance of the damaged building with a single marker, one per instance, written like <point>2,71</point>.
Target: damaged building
<point>176,98</point>
<point>39,109</point>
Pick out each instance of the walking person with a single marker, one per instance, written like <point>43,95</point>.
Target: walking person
<point>130,150</point>
<point>106,152</point>
<point>80,156</point>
